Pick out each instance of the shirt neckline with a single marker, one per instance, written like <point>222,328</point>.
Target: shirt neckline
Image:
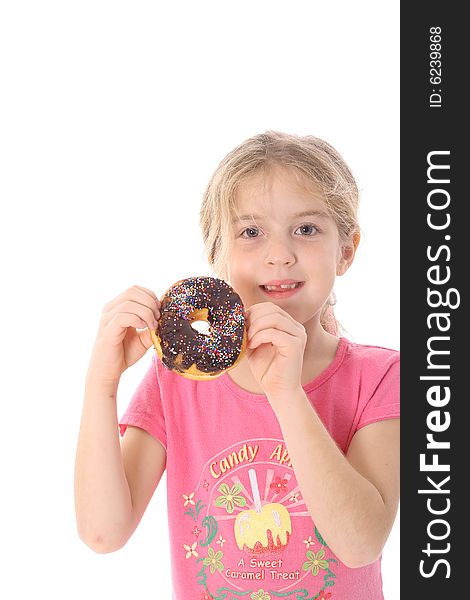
<point>308,387</point>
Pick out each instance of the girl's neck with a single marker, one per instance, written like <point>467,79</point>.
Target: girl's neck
<point>319,352</point>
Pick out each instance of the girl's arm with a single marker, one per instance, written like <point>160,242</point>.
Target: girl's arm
<point>353,499</point>
<point>113,485</point>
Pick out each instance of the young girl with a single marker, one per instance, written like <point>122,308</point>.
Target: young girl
<point>282,473</point>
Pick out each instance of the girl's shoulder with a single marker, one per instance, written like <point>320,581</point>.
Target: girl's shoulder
<point>370,354</point>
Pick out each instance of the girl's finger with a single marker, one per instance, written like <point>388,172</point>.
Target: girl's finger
<point>150,293</point>
<point>281,339</point>
<point>145,313</point>
<point>123,320</point>
<point>138,294</point>
<point>256,311</point>
<point>277,321</point>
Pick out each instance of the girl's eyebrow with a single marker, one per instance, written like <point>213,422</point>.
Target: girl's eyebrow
<point>305,213</point>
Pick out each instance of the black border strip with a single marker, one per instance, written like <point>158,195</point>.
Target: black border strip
<point>433,258</point>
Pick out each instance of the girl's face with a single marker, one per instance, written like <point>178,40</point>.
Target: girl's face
<point>287,248</point>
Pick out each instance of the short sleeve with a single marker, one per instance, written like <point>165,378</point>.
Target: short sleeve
<point>384,403</point>
<point>145,409</point>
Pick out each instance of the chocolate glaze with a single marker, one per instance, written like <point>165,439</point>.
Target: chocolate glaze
<point>181,345</point>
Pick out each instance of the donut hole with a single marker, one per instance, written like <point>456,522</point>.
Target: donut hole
<point>203,327</point>
<point>199,322</point>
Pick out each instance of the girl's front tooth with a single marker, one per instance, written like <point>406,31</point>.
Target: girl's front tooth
<point>284,286</point>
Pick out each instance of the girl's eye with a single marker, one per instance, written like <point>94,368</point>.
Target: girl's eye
<point>307,229</point>
<point>250,232</point>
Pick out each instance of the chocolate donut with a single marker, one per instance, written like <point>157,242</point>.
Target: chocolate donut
<point>188,352</point>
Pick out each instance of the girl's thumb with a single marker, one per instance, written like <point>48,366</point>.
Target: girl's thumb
<point>145,338</point>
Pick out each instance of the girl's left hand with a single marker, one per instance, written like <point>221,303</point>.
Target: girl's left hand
<point>275,350</point>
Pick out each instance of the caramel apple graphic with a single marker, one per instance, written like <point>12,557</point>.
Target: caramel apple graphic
<point>264,529</point>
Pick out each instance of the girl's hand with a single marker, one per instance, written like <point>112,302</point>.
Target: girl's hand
<point>276,344</point>
<point>118,344</point>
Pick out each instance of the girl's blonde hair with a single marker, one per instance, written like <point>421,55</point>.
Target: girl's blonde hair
<point>311,158</point>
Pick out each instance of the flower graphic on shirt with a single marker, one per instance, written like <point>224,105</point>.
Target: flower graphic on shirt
<point>198,506</point>
<point>319,538</point>
<point>309,542</point>
<point>189,499</point>
<point>294,497</point>
<point>280,485</point>
<point>324,595</point>
<point>206,596</point>
<point>315,562</point>
<point>213,560</point>
<point>196,531</point>
<point>190,550</point>
<point>230,497</point>
<point>221,541</point>
<point>260,595</point>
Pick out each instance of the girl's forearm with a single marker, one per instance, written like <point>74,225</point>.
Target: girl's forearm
<point>103,502</point>
<point>347,509</point>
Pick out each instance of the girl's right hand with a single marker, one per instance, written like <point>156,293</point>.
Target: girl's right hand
<point>118,345</point>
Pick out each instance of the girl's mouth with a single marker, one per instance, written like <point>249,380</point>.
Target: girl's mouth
<point>281,290</point>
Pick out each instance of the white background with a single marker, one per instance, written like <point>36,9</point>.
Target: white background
<point>113,117</point>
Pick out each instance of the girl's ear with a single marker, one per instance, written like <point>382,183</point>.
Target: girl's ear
<point>356,238</point>
<point>347,253</point>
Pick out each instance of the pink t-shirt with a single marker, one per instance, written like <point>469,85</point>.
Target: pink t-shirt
<point>239,527</point>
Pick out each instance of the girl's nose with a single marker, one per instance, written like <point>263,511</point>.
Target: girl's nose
<point>279,255</point>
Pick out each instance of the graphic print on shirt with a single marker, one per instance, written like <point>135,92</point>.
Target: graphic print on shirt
<point>249,532</point>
